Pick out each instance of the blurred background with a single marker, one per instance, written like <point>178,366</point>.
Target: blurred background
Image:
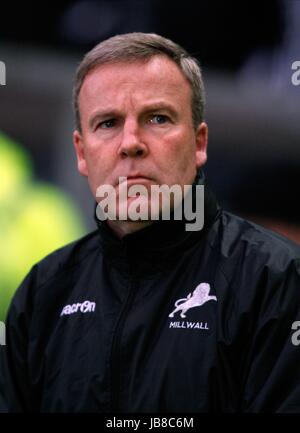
<point>246,50</point>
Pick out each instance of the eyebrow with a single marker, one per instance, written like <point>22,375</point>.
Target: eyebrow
<point>111,113</point>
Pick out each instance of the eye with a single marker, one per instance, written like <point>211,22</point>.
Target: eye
<point>106,124</point>
<point>159,119</point>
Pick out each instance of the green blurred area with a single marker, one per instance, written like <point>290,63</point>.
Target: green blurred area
<point>35,219</point>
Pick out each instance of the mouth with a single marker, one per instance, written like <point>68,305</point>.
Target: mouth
<point>137,178</point>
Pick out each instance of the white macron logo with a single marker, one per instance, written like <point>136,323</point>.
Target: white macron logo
<point>82,307</point>
<point>199,297</point>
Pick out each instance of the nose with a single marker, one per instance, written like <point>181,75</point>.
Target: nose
<point>132,144</point>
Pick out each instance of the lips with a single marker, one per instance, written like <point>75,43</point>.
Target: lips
<point>137,178</point>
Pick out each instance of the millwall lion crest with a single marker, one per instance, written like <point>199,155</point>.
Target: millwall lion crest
<point>199,297</point>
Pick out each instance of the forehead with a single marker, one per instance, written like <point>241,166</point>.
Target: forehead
<point>157,77</point>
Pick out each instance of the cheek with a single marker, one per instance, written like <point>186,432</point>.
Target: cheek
<point>94,154</point>
<point>181,150</point>
<point>101,162</point>
<point>184,160</point>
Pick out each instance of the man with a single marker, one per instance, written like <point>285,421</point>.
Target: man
<point>144,315</point>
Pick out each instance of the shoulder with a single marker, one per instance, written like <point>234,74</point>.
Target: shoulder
<point>257,280</point>
<point>244,241</point>
<point>49,277</point>
<point>260,267</point>
<point>67,258</point>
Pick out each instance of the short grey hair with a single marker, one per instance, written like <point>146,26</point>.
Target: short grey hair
<point>136,46</point>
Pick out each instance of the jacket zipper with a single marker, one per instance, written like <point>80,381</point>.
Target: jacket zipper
<point>115,357</point>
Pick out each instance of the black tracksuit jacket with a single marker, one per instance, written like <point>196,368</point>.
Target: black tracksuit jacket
<point>109,325</point>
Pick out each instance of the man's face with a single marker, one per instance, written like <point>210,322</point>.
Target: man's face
<point>136,121</point>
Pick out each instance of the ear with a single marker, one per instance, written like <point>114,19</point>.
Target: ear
<point>79,148</point>
<point>201,144</point>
